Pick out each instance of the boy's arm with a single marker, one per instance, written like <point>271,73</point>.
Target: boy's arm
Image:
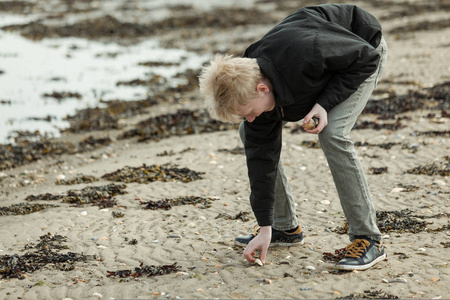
<point>262,149</point>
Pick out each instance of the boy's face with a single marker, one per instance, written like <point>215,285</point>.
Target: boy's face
<point>264,102</point>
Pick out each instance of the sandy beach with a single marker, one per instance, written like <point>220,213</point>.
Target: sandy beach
<point>107,243</point>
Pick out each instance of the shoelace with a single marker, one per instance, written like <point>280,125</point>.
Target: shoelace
<point>357,248</point>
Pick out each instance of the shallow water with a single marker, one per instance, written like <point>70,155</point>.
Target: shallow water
<point>92,69</point>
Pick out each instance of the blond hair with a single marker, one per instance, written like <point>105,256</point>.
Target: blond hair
<point>227,83</point>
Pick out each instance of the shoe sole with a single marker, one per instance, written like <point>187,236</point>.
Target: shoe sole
<point>274,244</point>
<point>362,267</point>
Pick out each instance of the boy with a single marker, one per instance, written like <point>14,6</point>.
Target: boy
<point>322,61</point>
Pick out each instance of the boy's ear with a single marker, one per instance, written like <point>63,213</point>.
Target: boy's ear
<point>262,88</point>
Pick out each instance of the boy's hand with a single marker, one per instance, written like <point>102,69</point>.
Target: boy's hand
<point>320,113</point>
<point>261,242</point>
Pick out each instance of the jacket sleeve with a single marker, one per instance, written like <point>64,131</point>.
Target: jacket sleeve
<point>346,56</point>
<point>263,148</point>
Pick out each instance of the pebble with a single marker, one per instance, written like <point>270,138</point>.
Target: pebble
<point>411,274</point>
<point>384,280</point>
<point>305,289</point>
<point>422,249</point>
<point>311,268</point>
<point>401,280</point>
<point>98,295</point>
<point>258,262</point>
<point>84,213</point>
<point>397,190</point>
<point>303,168</point>
<point>325,202</point>
<point>175,236</point>
<point>182,273</point>
<point>439,182</point>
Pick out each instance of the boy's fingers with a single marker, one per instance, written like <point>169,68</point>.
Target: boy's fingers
<point>263,255</point>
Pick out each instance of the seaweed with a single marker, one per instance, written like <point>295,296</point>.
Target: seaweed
<point>77,180</point>
<point>62,95</point>
<point>186,200</point>
<point>101,196</point>
<point>434,98</point>
<point>33,146</point>
<point>44,254</point>
<point>378,171</point>
<point>23,209</point>
<point>435,168</point>
<point>236,150</point>
<point>242,215</point>
<point>398,221</point>
<point>183,122</point>
<point>368,294</point>
<point>336,257</point>
<point>385,146</point>
<point>145,270</point>
<point>146,174</point>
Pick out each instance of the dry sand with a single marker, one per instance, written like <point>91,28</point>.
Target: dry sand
<point>210,265</point>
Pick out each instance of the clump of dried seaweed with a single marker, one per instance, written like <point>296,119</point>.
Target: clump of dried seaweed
<point>62,95</point>
<point>145,174</point>
<point>374,124</point>
<point>186,200</point>
<point>102,196</point>
<point>183,122</point>
<point>77,180</point>
<point>402,31</point>
<point>435,168</point>
<point>92,119</point>
<point>242,215</point>
<point>311,144</point>
<point>23,209</point>
<point>171,152</point>
<point>434,98</point>
<point>444,133</point>
<point>395,221</point>
<point>336,257</point>
<point>144,270</point>
<point>236,150</point>
<point>44,254</point>
<point>370,295</point>
<point>408,188</point>
<point>386,146</point>
<point>378,171</point>
<point>32,146</point>
<point>108,27</point>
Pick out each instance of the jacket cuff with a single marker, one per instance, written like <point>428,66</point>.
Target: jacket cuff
<point>264,218</point>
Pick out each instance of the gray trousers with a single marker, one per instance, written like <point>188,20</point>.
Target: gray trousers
<point>346,169</point>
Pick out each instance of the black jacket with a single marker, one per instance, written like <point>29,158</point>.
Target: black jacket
<point>319,54</point>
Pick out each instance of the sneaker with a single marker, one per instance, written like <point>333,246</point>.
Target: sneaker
<point>361,255</point>
<point>279,238</point>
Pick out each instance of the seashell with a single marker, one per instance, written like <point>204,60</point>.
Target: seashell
<point>258,262</point>
<point>313,122</point>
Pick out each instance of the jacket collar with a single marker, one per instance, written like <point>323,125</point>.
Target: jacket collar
<point>282,93</point>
